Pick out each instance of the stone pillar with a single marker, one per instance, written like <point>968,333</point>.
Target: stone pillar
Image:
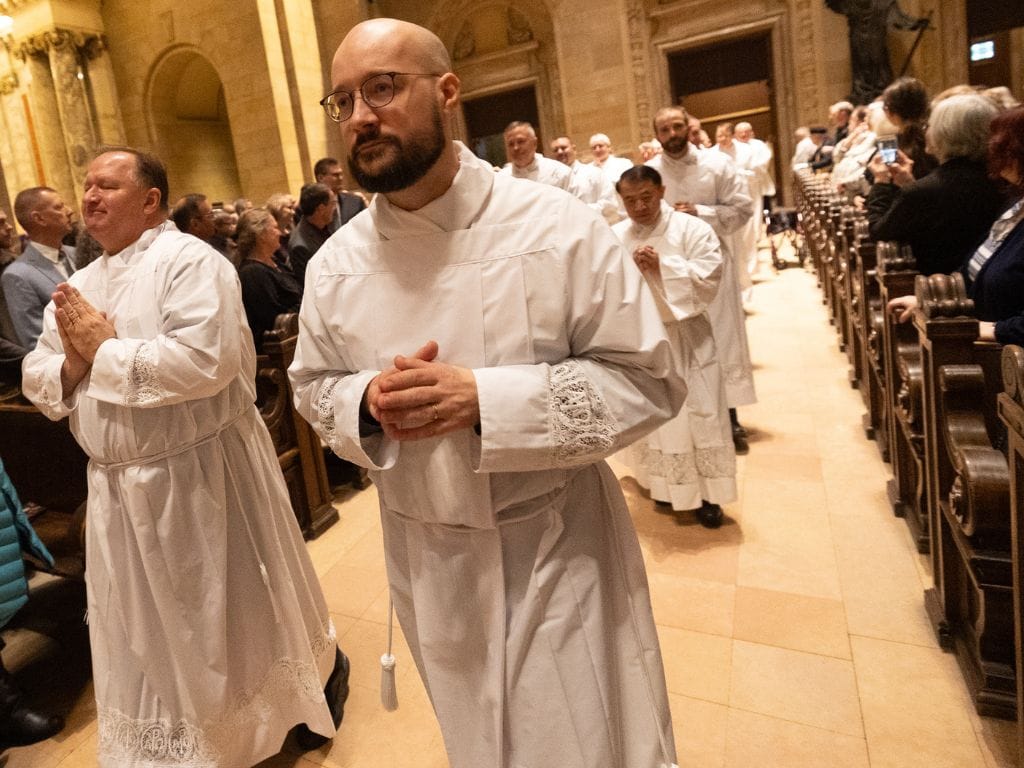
<point>69,131</point>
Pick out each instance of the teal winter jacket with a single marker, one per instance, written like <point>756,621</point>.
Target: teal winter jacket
<point>16,534</point>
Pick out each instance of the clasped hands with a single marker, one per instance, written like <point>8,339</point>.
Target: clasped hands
<point>419,397</point>
<point>686,207</point>
<point>646,258</point>
<point>82,329</point>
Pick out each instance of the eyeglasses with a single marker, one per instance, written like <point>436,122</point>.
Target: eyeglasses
<point>377,91</point>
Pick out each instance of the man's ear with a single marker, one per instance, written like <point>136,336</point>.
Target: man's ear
<point>451,89</point>
<point>152,203</point>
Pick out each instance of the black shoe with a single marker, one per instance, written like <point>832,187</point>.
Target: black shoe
<point>20,725</point>
<point>739,440</point>
<point>709,515</point>
<point>336,693</point>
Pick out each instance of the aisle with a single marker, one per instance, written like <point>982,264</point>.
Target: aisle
<point>793,637</point>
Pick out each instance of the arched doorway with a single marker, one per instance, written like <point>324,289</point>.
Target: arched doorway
<point>189,126</point>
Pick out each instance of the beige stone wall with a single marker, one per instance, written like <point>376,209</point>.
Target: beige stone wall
<point>597,65</point>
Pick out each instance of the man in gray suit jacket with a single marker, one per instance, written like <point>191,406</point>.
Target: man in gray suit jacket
<point>31,279</point>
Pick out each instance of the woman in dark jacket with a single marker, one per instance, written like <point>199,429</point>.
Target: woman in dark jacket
<point>267,289</point>
<point>994,275</point>
<point>945,215</point>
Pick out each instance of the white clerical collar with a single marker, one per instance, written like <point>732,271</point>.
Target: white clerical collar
<point>456,209</point>
<point>690,158</point>
<point>145,240</point>
<point>50,254</point>
<point>527,170</point>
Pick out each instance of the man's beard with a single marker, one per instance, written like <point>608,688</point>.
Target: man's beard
<point>675,145</point>
<point>413,159</point>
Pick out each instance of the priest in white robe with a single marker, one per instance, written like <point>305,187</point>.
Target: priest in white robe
<point>478,343</point>
<point>586,182</point>
<point>742,242</point>
<point>707,185</point>
<point>688,462</point>
<point>525,162</point>
<point>210,636</point>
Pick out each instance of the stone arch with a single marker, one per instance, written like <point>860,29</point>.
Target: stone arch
<point>501,45</point>
<point>189,127</point>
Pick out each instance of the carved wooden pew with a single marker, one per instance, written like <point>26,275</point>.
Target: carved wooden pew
<point>1011,412</point>
<point>967,493</point>
<point>901,364</point>
<point>868,316</point>
<point>297,445</point>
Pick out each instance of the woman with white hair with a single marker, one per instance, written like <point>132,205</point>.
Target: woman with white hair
<point>945,215</point>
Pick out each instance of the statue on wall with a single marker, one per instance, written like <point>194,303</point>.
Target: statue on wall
<point>869,23</point>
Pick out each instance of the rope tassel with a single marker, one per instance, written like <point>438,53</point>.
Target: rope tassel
<point>388,692</point>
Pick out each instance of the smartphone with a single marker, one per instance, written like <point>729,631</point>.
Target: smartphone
<point>887,147</point>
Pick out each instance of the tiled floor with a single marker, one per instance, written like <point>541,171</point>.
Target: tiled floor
<point>794,636</point>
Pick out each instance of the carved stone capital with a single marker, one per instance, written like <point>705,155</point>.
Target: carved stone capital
<point>8,84</point>
<point>86,44</point>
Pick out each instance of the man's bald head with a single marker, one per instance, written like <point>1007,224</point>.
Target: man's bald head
<point>408,46</point>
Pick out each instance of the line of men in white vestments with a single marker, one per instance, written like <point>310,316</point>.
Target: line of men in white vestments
<point>690,219</point>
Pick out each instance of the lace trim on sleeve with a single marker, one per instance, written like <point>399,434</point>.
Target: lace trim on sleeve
<point>142,386</point>
<point>325,407</point>
<point>582,425</point>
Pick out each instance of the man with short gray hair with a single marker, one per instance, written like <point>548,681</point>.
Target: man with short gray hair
<point>524,162</point>
<point>611,166</point>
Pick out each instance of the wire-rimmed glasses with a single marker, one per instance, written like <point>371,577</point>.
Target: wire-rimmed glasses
<point>376,91</point>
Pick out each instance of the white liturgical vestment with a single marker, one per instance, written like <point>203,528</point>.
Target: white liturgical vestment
<point>210,636</point>
<point>590,185</point>
<point>513,564</point>
<point>542,169</point>
<point>743,242</point>
<point>691,458</point>
<point>710,181</point>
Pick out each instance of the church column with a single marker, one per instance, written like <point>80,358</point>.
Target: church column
<point>60,61</point>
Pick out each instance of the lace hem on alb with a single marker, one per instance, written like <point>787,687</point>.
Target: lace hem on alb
<point>737,373</point>
<point>581,423</point>
<point>142,386</point>
<point>325,407</point>
<point>180,744</point>
<point>689,468</point>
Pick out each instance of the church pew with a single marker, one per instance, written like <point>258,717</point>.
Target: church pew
<point>1011,413</point>
<point>967,493</point>
<point>297,445</point>
<point>901,364</point>
<point>868,315</point>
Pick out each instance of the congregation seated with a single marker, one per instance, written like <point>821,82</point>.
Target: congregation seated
<point>944,216</point>
<point>994,274</point>
<point>267,289</point>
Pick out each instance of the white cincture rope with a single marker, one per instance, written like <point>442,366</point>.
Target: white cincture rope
<point>388,692</point>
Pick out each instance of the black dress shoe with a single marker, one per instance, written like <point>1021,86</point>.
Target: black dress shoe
<point>739,440</point>
<point>709,515</point>
<point>336,693</point>
<point>23,726</point>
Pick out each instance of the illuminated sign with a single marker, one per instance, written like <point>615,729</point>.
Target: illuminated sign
<point>986,49</point>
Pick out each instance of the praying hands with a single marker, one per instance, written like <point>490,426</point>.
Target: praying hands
<point>82,330</point>
<point>419,397</point>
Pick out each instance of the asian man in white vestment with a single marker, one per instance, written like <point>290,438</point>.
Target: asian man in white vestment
<point>707,185</point>
<point>478,343</point>
<point>210,636</point>
<point>688,462</point>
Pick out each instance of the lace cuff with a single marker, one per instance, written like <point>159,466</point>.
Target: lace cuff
<point>141,385</point>
<point>325,407</point>
<point>582,425</point>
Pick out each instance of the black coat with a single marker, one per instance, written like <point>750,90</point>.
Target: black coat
<point>943,217</point>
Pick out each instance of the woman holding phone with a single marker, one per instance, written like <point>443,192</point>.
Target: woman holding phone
<point>945,215</point>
